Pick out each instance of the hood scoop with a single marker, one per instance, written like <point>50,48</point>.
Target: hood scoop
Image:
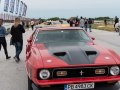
<point>58,54</point>
<point>91,53</point>
<point>63,56</point>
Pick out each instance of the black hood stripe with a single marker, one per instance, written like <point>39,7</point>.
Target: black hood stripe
<point>73,53</point>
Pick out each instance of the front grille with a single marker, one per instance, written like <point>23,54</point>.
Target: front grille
<point>80,72</point>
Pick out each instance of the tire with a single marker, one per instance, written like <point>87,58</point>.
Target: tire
<point>30,84</point>
<point>41,88</point>
<point>112,83</point>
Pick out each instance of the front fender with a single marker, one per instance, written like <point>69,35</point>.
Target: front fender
<point>115,56</point>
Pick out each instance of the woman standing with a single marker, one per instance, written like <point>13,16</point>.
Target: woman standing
<point>2,39</point>
<point>17,38</point>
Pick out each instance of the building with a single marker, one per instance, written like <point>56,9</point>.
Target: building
<point>9,9</point>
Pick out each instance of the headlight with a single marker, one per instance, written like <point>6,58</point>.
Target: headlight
<point>44,74</point>
<point>115,70</point>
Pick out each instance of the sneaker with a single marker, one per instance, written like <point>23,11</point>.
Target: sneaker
<point>8,57</point>
<point>19,59</point>
<point>16,59</point>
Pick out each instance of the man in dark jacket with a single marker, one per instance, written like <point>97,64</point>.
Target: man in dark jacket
<point>2,39</point>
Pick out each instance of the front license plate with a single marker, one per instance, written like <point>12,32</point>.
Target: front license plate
<point>79,86</point>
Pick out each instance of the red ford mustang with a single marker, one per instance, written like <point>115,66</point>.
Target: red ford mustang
<point>69,57</point>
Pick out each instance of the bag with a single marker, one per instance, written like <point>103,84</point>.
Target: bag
<point>11,41</point>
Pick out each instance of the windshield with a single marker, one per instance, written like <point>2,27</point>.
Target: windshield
<point>55,36</point>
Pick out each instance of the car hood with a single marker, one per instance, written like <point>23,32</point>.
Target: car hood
<point>69,54</point>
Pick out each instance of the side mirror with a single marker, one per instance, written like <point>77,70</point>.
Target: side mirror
<point>93,38</point>
<point>29,40</point>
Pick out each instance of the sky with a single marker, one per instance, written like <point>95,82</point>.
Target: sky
<point>68,8</point>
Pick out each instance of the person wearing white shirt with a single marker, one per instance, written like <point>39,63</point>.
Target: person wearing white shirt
<point>117,27</point>
<point>82,22</point>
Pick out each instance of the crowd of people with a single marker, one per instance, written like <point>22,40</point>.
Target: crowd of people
<point>82,23</point>
<point>28,24</point>
<point>16,32</point>
<point>116,24</point>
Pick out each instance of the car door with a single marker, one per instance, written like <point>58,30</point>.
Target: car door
<point>29,45</point>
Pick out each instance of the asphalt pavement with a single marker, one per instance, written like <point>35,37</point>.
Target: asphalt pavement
<point>107,39</point>
<point>13,75</point>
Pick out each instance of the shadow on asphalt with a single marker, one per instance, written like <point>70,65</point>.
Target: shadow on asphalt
<point>97,87</point>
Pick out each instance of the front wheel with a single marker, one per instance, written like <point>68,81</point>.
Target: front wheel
<point>30,84</point>
<point>112,83</point>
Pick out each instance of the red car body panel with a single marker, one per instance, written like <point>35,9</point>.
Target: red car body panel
<point>37,57</point>
<point>75,80</point>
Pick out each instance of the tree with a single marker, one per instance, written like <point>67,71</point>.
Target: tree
<point>42,20</point>
<point>102,18</point>
<point>54,18</point>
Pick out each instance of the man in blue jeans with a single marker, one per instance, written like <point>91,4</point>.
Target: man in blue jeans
<point>17,31</point>
<point>19,47</point>
<point>3,39</point>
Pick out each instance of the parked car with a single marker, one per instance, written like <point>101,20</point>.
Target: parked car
<point>70,58</point>
<point>49,24</point>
